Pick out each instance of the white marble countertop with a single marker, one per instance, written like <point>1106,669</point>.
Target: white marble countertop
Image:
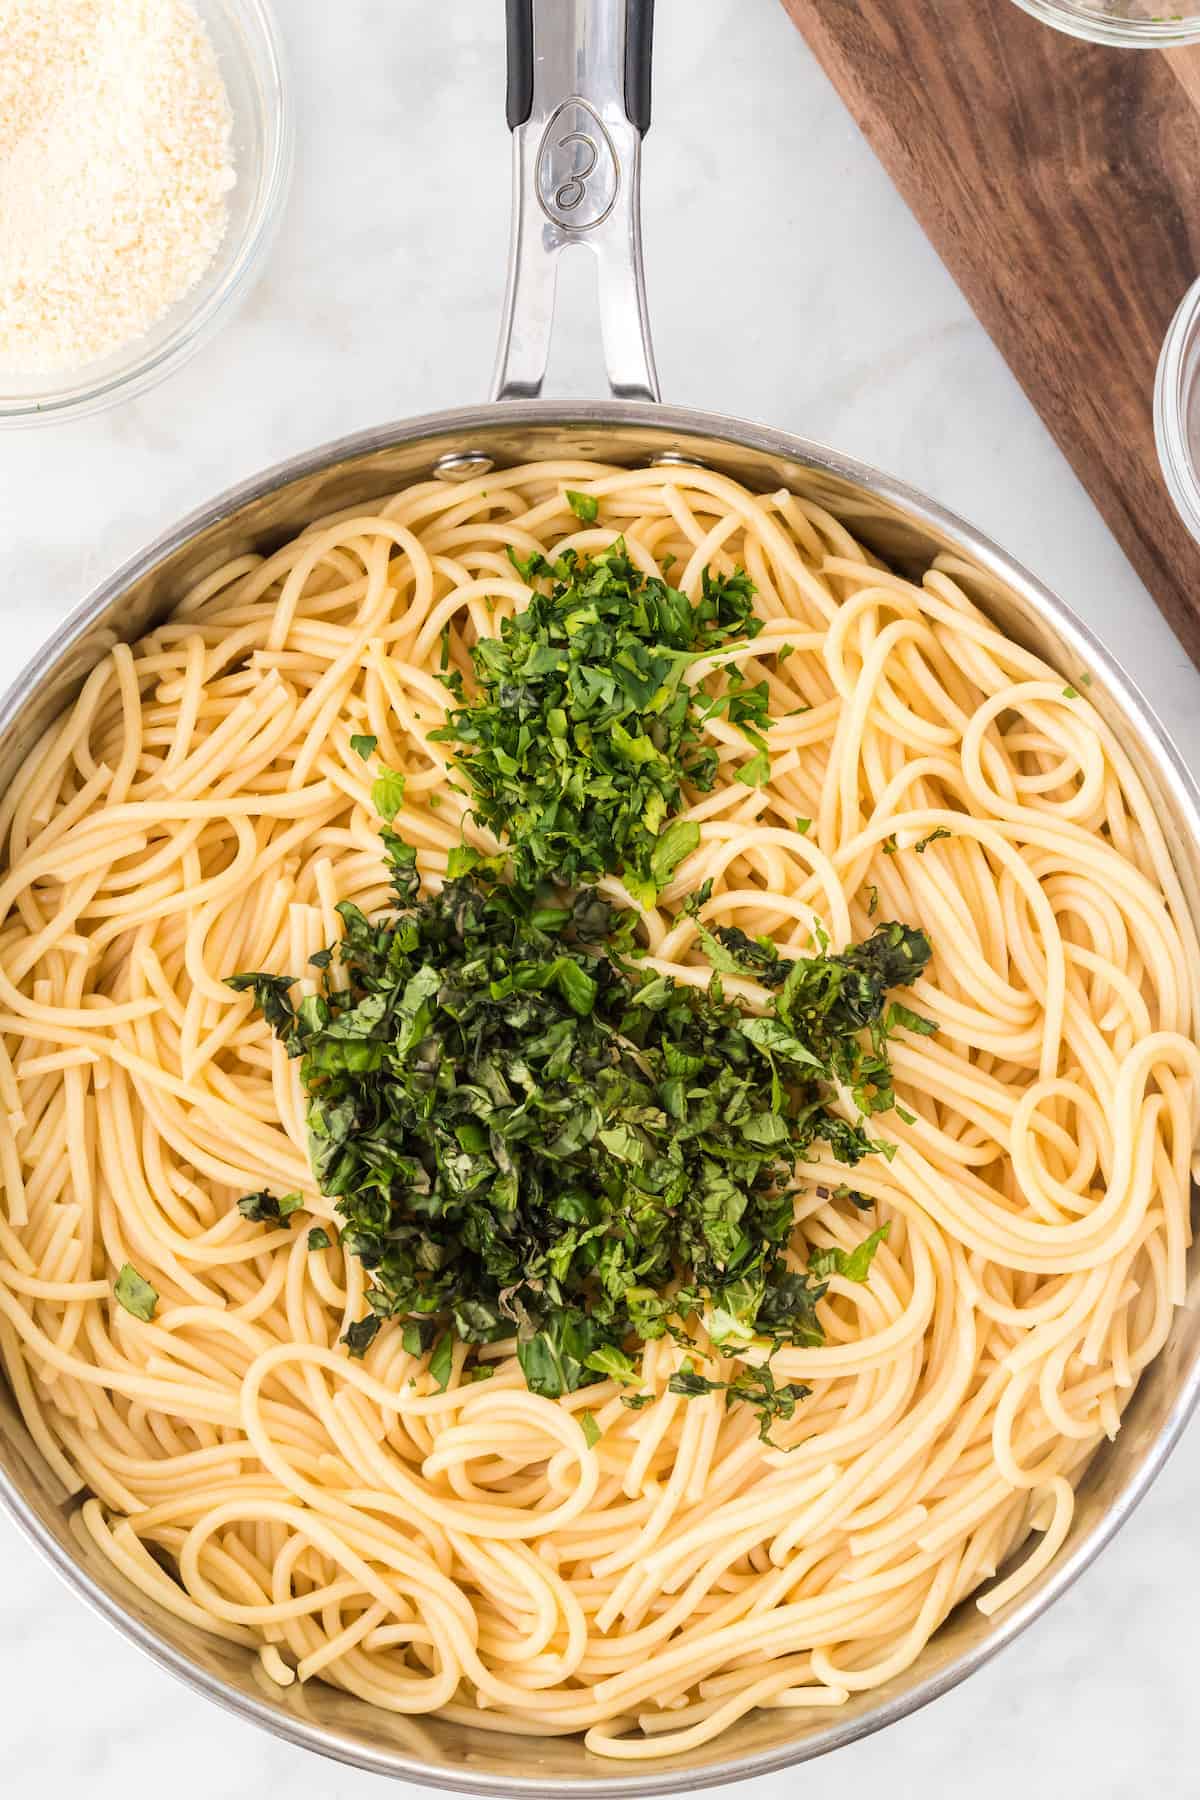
<point>787,283</point>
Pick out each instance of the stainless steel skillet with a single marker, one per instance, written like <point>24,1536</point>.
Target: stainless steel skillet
<point>578,103</point>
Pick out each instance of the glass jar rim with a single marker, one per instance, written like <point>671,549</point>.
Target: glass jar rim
<point>1100,28</point>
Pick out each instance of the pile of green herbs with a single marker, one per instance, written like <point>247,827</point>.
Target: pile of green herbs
<point>584,729</point>
<point>528,1133</point>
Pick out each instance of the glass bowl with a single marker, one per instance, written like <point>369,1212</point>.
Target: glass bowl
<point>1177,409</point>
<point>246,40</point>
<point>1130,24</point>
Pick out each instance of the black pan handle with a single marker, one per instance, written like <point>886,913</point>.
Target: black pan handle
<point>639,44</point>
<point>639,50</point>
<point>578,105</point>
<point>520,61</point>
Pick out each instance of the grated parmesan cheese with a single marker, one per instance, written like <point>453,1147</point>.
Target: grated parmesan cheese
<point>115,167</point>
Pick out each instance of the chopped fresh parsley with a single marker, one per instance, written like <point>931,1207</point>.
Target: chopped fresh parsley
<point>744,705</point>
<point>319,1238</point>
<point>529,1134</point>
<point>387,794</point>
<point>135,1294</point>
<point>756,771</point>
<point>590,1429</point>
<point>363,744</point>
<point>584,506</point>
<point>584,731</point>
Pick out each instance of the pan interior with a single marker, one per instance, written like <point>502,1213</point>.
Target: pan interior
<point>908,532</point>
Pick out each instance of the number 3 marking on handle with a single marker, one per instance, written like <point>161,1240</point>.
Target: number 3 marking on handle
<point>573,190</point>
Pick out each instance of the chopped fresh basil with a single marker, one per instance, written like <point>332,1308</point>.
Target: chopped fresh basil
<point>853,1265</point>
<point>844,1191</point>
<point>687,1382</point>
<point>269,1209</point>
<point>271,998</point>
<point>442,1360</point>
<point>359,1337</point>
<point>611,1361</point>
<point>771,1400</point>
<point>417,1335</point>
<point>776,1040</point>
<point>610,1153</point>
<point>754,1385</point>
<point>912,1021</point>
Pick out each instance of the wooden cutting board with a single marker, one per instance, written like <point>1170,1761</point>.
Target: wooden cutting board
<point>1060,183</point>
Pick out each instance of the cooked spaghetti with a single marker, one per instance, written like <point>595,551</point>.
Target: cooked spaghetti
<point>473,1550</point>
